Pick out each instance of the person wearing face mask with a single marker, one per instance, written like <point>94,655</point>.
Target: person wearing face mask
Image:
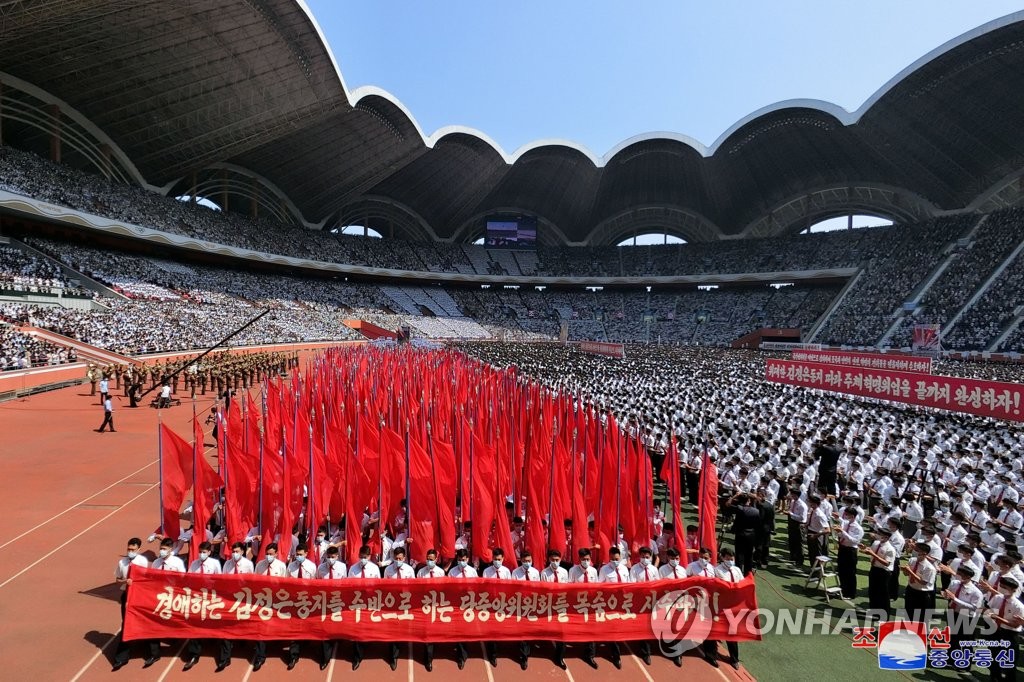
<point>167,560</point>
<point>1006,611</point>
<point>883,558</point>
<point>965,598</point>
<point>206,565</point>
<point>702,566</point>
<point>332,568</point>
<point>615,571</point>
<point>363,569</point>
<point>518,537</point>
<point>398,569</point>
<point>644,571</point>
<point>430,571</point>
<point>919,597</point>
<point>525,572</point>
<point>728,571</point>
<point>275,567</point>
<point>303,569</point>
<point>237,563</point>
<point>121,577</point>
<point>554,573</point>
<point>496,571</point>
<point>460,571</point>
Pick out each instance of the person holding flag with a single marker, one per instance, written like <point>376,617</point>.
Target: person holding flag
<point>496,571</point>
<point>398,569</point>
<point>332,568</point>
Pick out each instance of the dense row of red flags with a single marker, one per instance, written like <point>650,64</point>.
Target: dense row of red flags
<point>363,428</point>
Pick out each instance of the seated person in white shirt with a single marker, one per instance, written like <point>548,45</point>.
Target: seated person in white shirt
<point>496,571</point>
<point>238,563</point>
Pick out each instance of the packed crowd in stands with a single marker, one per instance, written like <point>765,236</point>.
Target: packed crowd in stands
<point>24,272</point>
<point>900,260</point>
<point>19,350</point>
<point>982,322</point>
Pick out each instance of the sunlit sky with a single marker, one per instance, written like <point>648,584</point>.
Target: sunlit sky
<point>600,72</point>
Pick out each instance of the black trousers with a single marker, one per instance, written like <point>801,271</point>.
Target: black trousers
<point>817,545</point>
<point>894,581</point>
<point>124,649</point>
<point>796,544</point>
<point>195,648</point>
<point>745,551</point>
<point>917,602</point>
<point>1011,658</point>
<point>878,590</point>
<point>260,650</point>
<point>944,578</point>
<point>108,420</point>
<point>846,568</point>
<point>762,549</point>
<point>710,648</point>
<point>692,486</point>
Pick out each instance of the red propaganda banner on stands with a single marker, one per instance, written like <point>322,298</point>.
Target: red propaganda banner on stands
<point>897,363</point>
<point>164,605</point>
<point>612,350</point>
<point>986,398</point>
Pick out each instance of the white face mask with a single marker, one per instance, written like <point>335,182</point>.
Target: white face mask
<point>673,563</point>
<point>615,562</point>
<point>363,561</point>
<point>203,556</point>
<point>132,554</point>
<point>703,562</point>
<point>271,558</point>
<point>554,563</point>
<point>164,553</point>
<point>498,563</point>
<point>463,563</point>
<point>527,564</point>
<point>645,561</point>
<point>331,561</point>
<point>236,556</point>
<point>431,563</point>
<point>729,563</point>
<point>300,557</point>
<point>585,563</point>
<point>1006,591</point>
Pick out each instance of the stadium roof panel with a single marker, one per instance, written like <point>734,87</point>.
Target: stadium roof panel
<point>181,86</point>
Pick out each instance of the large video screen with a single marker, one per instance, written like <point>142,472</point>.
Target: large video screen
<point>511,231</point>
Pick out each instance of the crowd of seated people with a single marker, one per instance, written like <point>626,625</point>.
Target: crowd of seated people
<point>904,256</point>
<point>997,236</point>
<point>24,351</point>
<point>21,271</point>
<point>982,323</point>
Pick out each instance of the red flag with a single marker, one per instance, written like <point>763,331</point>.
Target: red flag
<point>175,479</point>
<point>205,489</point>
<point>708,510</point>
<point>483,507</point>
<point>670,473</point>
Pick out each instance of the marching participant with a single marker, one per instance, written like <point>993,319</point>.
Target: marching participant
<point>554,573</point>
<point>526,572</point>
<point>496,571</point>
<point>364,569</point>
<point>124,649</point>
<point>644,572</point>
<point>702,566</point>
<point>614,571</point>
<point>332,568</point>
<point>274,567</point>
<point>206,564</point>
<point>728,571</point>
<point>398,569</point>
<point>462,571</point>
<point>301,569</point>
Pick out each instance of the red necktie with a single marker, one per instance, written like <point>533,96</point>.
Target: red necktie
<point>332,571</point>
<point>586,576</point>
<point>236,567</point>
<point>647,572</point>
<point>1002,607</point>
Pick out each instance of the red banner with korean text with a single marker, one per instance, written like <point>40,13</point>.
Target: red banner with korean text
<point>896,363</point>
<point>612,350</point>
<point>972,396</point>
<point>165,605</point>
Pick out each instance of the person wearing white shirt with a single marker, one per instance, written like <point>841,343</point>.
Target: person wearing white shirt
<point>1007,612</point>
<point>332,568</point>
<point>672,567</point>
<point>921,572</point>
<point>271,565</point>
<point>728,571</point>
<point>238,563</point>
<point>207,565</point>
<point>702,567</point>
<point>430,569</point>
<point>302,568</point>
<point>527,573</point>
<point>584,571</point>
<point>850,535</point>
<point>797,518</point>
<point>364,569</point>
<point>167,559</point>
<point>398,569</point>
<point>496,571</point>
<point>460,571</point>
<point>554,573</point>
<point>644,571</point>
<point>965,597</point>
<point>123,580</point>
<point>615,571</point>
<point>883,558</point>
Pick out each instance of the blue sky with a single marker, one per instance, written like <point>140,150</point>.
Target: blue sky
<point>598,72</point>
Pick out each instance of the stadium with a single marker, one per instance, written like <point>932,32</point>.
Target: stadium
<point>305,315</point>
